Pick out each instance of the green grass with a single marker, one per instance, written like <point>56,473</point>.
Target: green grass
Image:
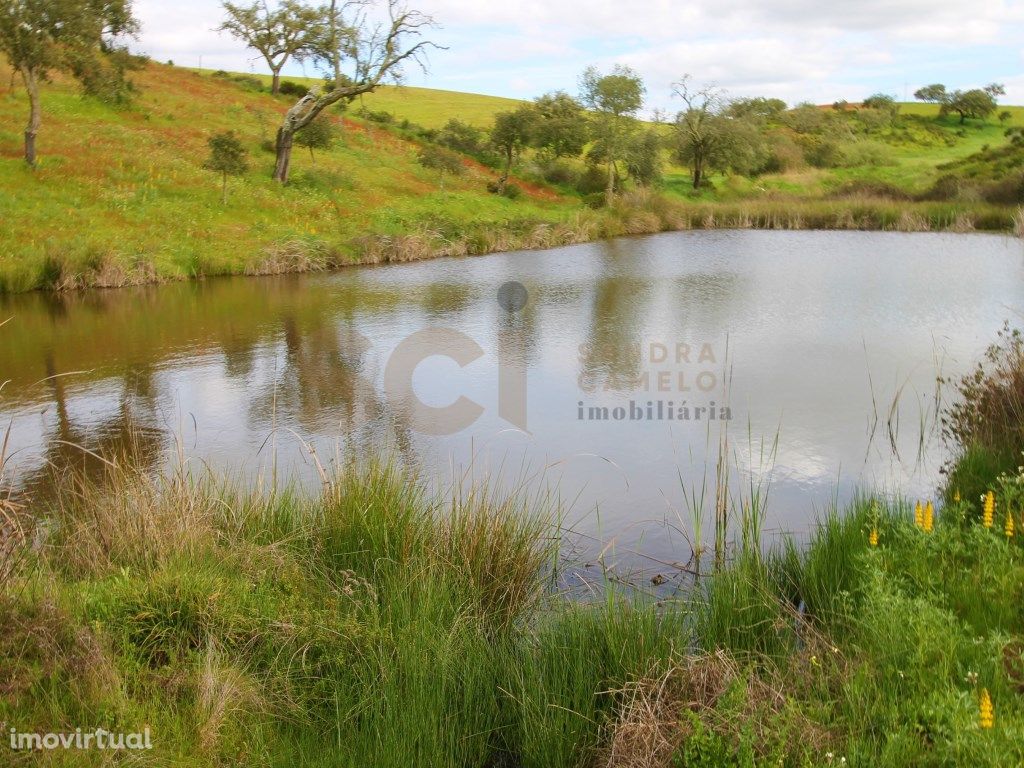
<point>121,197</point>
<point>378,625</point>
<point>429,107</point>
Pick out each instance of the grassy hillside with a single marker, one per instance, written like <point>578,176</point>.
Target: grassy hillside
<point>429,107</point>
<point>124,191</point>
<point>121,195</point>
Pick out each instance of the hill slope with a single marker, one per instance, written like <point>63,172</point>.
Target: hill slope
<point>122,196</point>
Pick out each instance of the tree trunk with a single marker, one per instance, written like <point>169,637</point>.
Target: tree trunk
<point>609,191</point>
<point>224,191</point>
<point>285,137</point>
<point>503,181</point>
<point>963,116</point>
<point>35,116</point>
<point>275,83</point>
<point>698,172</point>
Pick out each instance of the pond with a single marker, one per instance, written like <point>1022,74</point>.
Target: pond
<point>607,373</point>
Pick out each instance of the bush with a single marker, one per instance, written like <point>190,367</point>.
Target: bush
<point>290,88</point>
<point>460,137</point>
<point>511,191</point>
<point>557,172</point>
<point>593,180</point>
<point>379,116</point>
<point>985,426</point>
<point>248,82</point>
<point>1008,191</point>
<point>823,153</point>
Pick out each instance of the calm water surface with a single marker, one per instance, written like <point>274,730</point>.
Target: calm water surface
<point>824,348</point>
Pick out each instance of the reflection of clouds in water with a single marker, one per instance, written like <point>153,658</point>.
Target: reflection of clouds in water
<point>814,321</point>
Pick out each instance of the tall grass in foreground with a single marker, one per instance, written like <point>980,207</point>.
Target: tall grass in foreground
<point>376,624</point>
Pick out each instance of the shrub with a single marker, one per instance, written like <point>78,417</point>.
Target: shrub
<point>557,172</point>
<point>460,137</point>
<point>290,88</point>
<point>985,425</point>
<point>1008,191</point>
<point>511,191</point>
<point>319,134</point>
<point>822,153</point>
<point>593,180</point>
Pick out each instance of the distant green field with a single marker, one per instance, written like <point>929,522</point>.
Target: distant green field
<point>429,107</point>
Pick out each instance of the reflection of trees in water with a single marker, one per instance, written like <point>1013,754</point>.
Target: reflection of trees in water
<point>442,300</point>
<point>130,435</point>
<point>613,358</point>
<point>706,302</point>
<point>324,385</point>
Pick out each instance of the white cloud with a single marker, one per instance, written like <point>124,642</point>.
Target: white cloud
<point>794,49</point>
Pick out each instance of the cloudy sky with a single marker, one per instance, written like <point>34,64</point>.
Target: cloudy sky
<point>798,50</point>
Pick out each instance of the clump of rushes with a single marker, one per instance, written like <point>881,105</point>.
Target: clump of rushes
<point>988,511</point>
<point>919,515</point>
<point>929,517</point>
<point>986,712</point>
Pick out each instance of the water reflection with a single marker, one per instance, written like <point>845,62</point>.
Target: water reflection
<point>824,331</point>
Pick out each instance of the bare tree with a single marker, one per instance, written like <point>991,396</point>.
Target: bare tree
<point>699,126</point>
<point>277,35</point>
<point>371,52</point>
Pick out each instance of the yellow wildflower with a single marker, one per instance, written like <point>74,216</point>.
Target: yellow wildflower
<point>1008,528</point>
<point>873,537</point>
<point>919,515</point>
<point>989,509</point>
<point>956,496</point>
<point>929,517</point>
<point>986,713</point>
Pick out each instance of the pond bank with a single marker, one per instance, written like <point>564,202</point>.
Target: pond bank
<point>635,213</point>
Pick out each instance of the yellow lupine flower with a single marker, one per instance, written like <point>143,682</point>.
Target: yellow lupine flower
<point>929,517</point>
<point>873,537</point>
<point>956,495</point>
<point>1008,528</point>
<point>989,509</point>
<point>919,515</point>
<point>986,713</point>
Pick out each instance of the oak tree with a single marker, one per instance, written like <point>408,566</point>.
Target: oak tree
<point>615,99</point>
<point>358,55</point>
<point>42,36</point>
<point>277,34</point>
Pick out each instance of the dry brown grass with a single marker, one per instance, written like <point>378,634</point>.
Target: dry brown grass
<point>653,720</point>
<point>224,694</point>
<point>144,523</point>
